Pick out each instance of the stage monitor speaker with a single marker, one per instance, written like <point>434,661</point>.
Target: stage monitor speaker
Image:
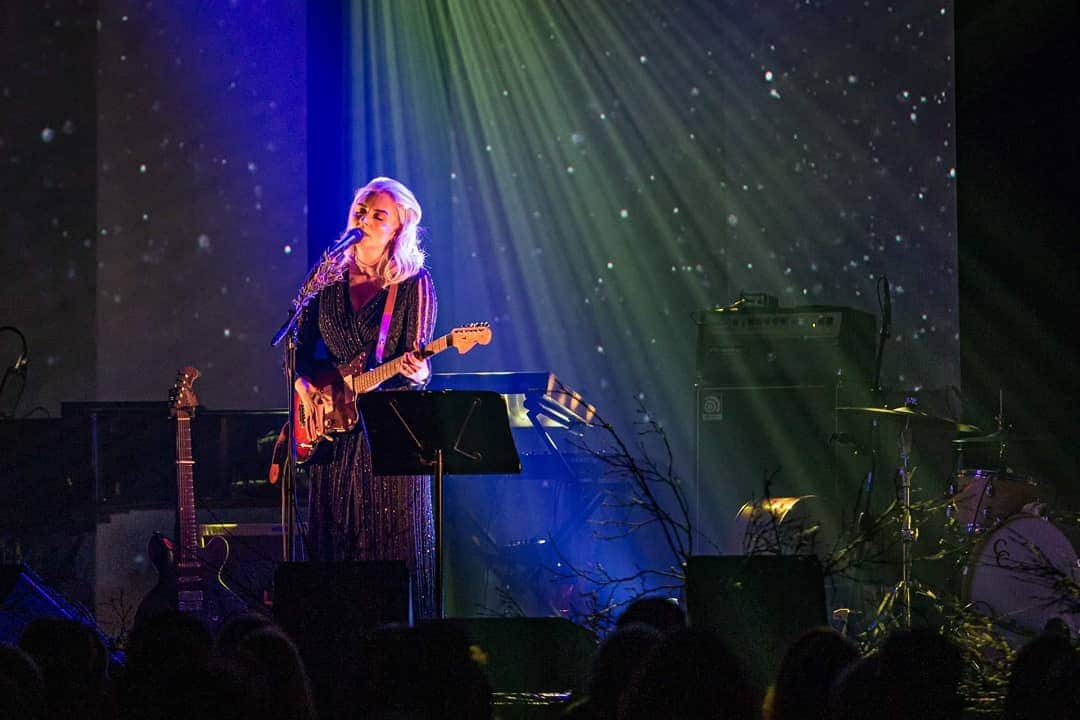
<point>530,655</point>
<point>757,604</point>
<point>329,610</point>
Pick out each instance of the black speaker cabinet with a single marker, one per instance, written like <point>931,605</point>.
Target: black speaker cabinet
<point>329,610</point>
<point>757,604</point>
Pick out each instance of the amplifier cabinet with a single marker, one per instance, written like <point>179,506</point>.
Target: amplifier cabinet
<point>813,345</point>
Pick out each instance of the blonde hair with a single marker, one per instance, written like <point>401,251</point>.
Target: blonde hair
<point>404,257</point>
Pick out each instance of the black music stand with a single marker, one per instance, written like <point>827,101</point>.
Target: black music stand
<point>439,433</point>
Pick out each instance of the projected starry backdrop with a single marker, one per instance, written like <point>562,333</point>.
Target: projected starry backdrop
<point>592,173</point>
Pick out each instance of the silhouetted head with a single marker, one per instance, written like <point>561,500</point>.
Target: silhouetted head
<point>1042,683</point>
<point>807,673</point>
<point>73,664</point>
<point>689,674</point>
<point>236,628</point>
<point>921,658</point>
<point>22,690</point>
<point>660,613</point>
<point>614,664</point>
<point>858,693</point>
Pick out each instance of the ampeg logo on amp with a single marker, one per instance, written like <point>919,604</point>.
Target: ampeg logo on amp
<point>712,406</point>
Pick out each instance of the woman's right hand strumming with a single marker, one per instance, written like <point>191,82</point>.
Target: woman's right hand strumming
<point>313,406</point>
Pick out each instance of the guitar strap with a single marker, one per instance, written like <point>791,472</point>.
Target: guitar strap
<point>384,328</point>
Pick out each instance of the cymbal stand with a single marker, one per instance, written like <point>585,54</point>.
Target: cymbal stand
<point>908,532</point>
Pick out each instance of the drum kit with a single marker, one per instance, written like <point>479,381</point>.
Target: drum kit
<point>1014,565</point>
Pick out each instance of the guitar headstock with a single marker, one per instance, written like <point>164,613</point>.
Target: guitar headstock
<point>464,338</point>
<point>182,400</point>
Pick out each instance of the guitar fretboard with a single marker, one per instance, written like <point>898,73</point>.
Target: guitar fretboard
<point>376,376</point>
<point>185,490</point>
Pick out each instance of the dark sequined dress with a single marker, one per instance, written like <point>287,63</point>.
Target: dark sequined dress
<point>352,513</point>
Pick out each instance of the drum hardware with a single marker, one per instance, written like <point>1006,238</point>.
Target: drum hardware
<point>906,416</point>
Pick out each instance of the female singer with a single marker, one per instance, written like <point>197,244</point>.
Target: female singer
<point>354,514</point>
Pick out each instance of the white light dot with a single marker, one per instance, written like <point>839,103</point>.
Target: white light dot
<point>768,76</point>
<point>624,213</point>
<point>610,265</point>
<point>142,169</point>
<point>288,249</point>
<point>569,169</point>
<point>227,332</point>
<point>643,59</point>
<point>47,134</point>
<point>732,219</point>
<point>600,348</point>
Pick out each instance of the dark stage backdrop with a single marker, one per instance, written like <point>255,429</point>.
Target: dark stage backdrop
<point>47,175</point>
<point>201,195</point>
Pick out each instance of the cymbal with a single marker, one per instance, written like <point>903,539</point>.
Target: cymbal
<point>905,413</point>
<point>995,438</point>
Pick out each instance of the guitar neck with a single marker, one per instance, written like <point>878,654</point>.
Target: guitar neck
<point>185,491</point>
<point>377,376</point>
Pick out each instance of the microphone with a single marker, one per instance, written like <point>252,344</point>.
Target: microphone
<point>350,237</point>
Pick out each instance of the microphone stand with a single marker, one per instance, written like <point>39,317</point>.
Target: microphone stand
<point>863,518</point>
<point>323,273</point>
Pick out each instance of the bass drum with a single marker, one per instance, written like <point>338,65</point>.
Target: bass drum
<point>782,526</point>
<point>1020,575</point>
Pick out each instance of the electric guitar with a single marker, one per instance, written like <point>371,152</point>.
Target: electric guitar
<point>189,577</point>
<point>331,408</point>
